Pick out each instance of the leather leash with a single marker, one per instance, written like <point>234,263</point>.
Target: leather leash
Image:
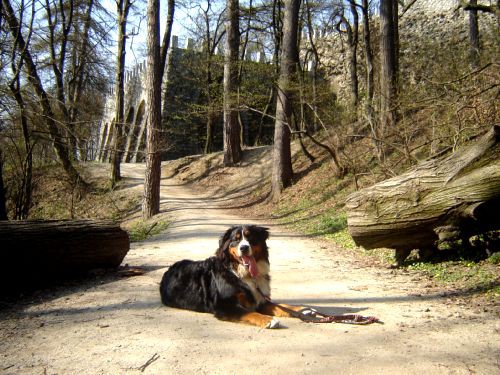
<point>325,318</point>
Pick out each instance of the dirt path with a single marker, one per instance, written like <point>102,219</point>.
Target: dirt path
<point>115,326</point>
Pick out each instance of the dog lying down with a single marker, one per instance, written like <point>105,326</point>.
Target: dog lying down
<point>234,285</point>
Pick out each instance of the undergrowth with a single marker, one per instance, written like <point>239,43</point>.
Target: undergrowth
<point>140,230</point>
<point>470,274</point>
<point>55,199</point>
<point>314,206</point>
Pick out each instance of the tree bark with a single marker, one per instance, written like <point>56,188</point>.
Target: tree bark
<point>3,206</point>
<point>388,71</point>
<point>474,35</point>
<point>369,113</point>
<point>151,202</point>
<point>56,249</point>
<point>452,197</point>
<point>123,7</point>
<point>353,57</point>
<point>165,45</point>
<point>231,131</point>
<point>282,172</point>
<point>23,202</point>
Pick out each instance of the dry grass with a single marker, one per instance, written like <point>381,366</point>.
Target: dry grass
<point>55,198</point>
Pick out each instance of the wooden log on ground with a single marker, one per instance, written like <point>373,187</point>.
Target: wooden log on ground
<point>452,197</point>
<point>32,251</point>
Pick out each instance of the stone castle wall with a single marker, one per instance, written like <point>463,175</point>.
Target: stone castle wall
<point>440,23</point>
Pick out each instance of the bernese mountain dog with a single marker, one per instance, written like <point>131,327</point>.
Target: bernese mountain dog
<point>234,285</point>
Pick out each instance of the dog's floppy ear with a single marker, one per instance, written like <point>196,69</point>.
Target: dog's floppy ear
<point>263,232</point>
<point>224,242</point>
<point>225,237</point>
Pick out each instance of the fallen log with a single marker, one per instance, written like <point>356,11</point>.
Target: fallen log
<point>445,199</point>
<point>33,251</point>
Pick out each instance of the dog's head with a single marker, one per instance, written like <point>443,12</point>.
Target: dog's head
<point>244,248</point>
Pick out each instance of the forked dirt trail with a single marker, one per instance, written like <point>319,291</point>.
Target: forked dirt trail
<point>119,326</point>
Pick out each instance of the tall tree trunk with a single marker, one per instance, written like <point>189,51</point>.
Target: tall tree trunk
<point>388,72</point>
<point>474,35</point>
<point>353,58</point>
<point>76,83</point>
<point>212,40</point>
<point>210,112</point>
<point>231,131</point>
<point>3,206</point>
<point>315,63</point>
<point>58,48</point>
<point>165,45</point>
<point>395,20</point>
<point>282,172</point>
<point>369,68</point>
<point>166,65</point>
<point>123,7</point>
<point>60,147</point>
<point>277,36</point>
<point>210,131</point>
<point>151,202</point>
<point>23,203</point>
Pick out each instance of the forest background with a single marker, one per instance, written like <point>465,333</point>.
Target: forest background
<point>376,86</point>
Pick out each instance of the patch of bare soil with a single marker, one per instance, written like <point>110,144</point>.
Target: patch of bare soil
<point>117,325</point>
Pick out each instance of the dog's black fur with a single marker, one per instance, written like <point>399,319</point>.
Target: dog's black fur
<point>211,285</point>
<point>204,286</point>
<point>233,285</point>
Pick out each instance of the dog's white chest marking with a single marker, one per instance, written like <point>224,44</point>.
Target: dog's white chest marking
<point>260,286</point>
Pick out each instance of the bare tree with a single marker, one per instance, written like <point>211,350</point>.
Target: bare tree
<point>165,45</point>
<point>166,62</point>
<point>79,63</point>
<point>351,28</point>
<point>58,142</point>
<point>23,201</point>
<point>388,70</point>
<point>60,16</point>
<point>213,32</point>
<point>122,10</point>
<point>231,130</point>
<point>3,208</point>
<point>277,33</point>
<point>156,58</point>
<point>282,172</point>
<point>369,67</point>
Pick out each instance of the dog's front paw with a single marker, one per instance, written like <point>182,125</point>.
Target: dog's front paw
<point>309,311</point>
<point>274,323</point>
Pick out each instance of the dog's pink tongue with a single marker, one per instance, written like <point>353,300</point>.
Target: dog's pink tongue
<point>252,265</point>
